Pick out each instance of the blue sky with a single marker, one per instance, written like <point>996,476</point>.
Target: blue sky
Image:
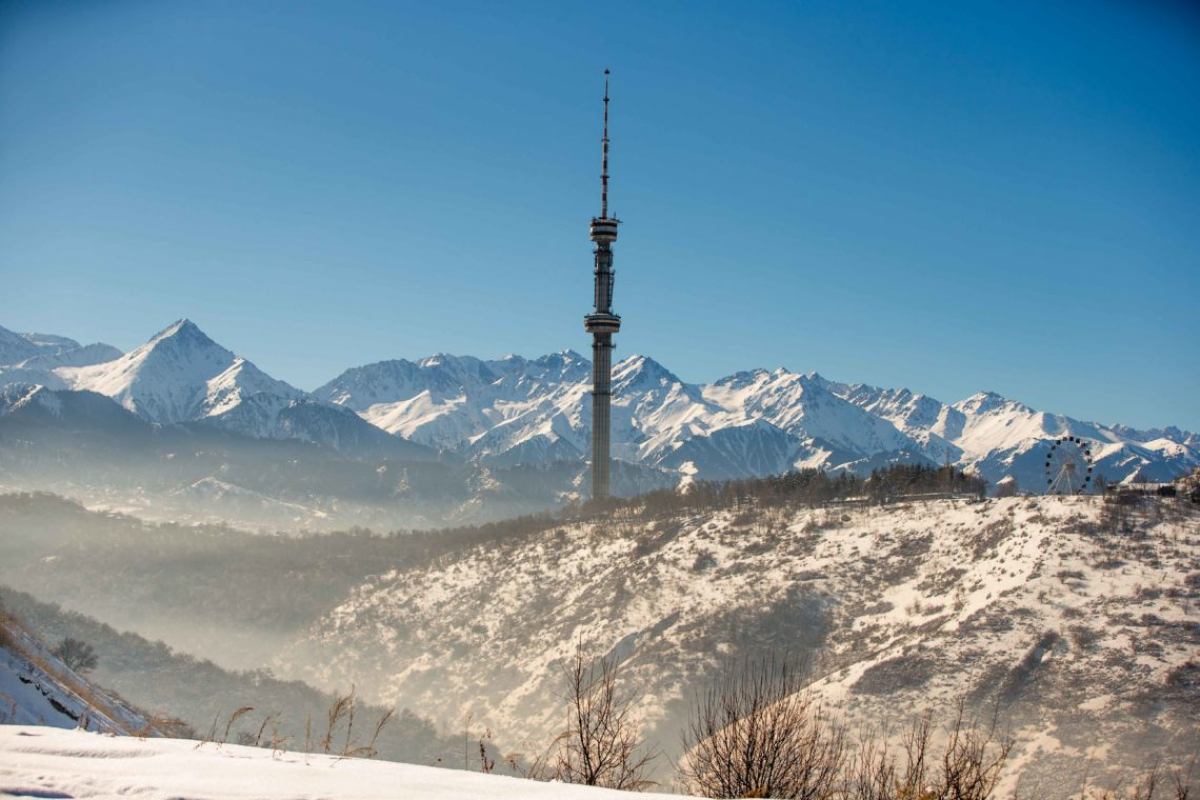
<point>946,196</point>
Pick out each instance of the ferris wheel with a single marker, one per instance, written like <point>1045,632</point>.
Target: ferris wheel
<point>1068,466</point>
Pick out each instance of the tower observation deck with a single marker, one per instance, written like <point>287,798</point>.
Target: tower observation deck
<point>602,324</point>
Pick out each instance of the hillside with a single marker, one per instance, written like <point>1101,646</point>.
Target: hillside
<point>36,688</point>
<point>227,595</point>
<point>202,696</point>
<point>1076,620</point>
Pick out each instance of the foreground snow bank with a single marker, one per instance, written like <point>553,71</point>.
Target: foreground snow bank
<point>49,762</point>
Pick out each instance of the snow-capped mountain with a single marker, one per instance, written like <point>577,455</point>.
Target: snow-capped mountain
<point>751,423</point>
<point>515,411</point>
<point>999,437</point>
<point>507,411</point>
<point>15,348</point>
<point>537,411</point>
<point>181,376</point>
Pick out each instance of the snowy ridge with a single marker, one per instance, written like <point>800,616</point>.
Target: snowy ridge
<point>747,424</point>
<point>183,376</point>
<point>30,358</point>
<point>537,412</point>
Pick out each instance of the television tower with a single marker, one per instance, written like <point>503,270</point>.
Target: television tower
<point>602,324</point>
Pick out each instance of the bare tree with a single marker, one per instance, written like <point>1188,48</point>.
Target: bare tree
<point>76,654</point>
<point>758,733</point>
<point>601,745</point>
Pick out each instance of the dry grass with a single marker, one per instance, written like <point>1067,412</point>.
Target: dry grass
<point>7,715</point>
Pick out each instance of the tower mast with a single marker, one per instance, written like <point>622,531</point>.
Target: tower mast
<point>602,324</point>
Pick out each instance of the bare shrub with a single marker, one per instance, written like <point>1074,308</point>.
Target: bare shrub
<point>6,636</point>
<point>601,745</point>
<point>341,713</point>
<point>967,767</point>
<point>1158,782</point>
<point>758,733</point>
<point>167,727</point>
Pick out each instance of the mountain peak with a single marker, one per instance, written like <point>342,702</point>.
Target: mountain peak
<point>181,329</point>
<point>639,364</point>
<point>986,402</point>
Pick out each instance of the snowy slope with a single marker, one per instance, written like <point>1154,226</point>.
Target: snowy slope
<point>38,689</point>
<point>44,762</point>
<point>1078,624</point>
<point>15,348</point>
<point>81,356</point>
<point>485,409</point>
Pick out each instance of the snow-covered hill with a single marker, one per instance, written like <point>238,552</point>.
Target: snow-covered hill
<point>1079,621</point>
<point>44,762</point>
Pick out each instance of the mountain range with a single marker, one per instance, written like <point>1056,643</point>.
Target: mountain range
<point>489,415</point>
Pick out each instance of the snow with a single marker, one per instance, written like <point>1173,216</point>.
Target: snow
<point>47,762</point>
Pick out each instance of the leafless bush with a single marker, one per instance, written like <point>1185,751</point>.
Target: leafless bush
<point>757,733</point>
<point>601,745</point>
<point>967,768</point>
<point>167,727</point>
<point>77,655</point>
<point>1159,783</point>
<point>269,719</point>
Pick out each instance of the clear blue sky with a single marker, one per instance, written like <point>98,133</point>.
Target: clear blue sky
<point>945,196</point>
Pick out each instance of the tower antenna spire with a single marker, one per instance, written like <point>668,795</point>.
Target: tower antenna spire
<point>604,172</point>
<point>602,324</point>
